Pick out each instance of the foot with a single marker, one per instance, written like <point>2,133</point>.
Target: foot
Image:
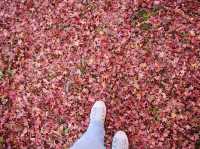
<point>120,140</point>
<point>98,112</point>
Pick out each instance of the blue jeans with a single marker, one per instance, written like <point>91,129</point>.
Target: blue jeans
<point>93,138</point>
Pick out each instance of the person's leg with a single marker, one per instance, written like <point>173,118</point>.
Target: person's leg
<point>93,138</point>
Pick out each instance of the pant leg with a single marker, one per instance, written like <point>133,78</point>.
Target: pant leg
<point>93,138</point>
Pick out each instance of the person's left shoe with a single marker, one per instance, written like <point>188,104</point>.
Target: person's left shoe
<point>98,112</point>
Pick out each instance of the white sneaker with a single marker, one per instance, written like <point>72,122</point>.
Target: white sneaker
<point>120,140</point>
<point>98,112</point>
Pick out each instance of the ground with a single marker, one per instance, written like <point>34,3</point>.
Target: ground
<point>57,57</point>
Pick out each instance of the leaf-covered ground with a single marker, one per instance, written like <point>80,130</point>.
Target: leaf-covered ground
<point>57,57</point>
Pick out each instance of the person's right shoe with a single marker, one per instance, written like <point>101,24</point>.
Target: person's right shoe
<point>120,140</point>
